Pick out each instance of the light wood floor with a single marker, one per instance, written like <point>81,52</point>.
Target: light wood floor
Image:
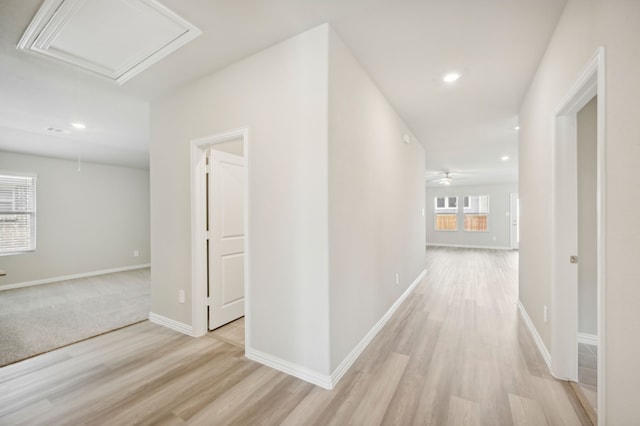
<point>588,378</point>
<point>455,353</point>
<point>232,333</point>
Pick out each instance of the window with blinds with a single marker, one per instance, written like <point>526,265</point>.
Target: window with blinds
<point>17,213</point>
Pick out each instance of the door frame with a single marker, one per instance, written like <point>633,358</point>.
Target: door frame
<point>199,259</point>
<point>513,235</point>
<point>564,293</point>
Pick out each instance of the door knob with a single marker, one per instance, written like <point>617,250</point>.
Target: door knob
<point>573,259</point>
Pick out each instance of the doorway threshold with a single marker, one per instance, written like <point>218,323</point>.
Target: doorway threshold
<point>588,399</point>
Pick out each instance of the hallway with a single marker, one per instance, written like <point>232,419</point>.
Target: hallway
<point>454,353</point>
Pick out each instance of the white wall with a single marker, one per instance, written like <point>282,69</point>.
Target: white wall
<point>499,219</point>
<point>281,95</point>
<point>234,147</point>
<point>587,220</point>
<point>569,50</point>
<point>583,27</point>
<point>376,227</point>
<point>87,221</point>
<point>335,197</point>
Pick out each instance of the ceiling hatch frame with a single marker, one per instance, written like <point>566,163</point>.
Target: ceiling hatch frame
<point>57,16</point>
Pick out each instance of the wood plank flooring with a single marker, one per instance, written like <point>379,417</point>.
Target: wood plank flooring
<point>232,333</point>
<point>455,353</point>
<point>587,388</point>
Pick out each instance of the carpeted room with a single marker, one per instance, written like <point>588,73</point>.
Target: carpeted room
<point>41,318</point>
<point>89,270</point>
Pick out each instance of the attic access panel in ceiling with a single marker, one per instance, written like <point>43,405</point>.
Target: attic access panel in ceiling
<point>114,38</point>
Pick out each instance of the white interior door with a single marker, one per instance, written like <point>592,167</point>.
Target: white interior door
<point>515,221</point>
<point>226,237</point>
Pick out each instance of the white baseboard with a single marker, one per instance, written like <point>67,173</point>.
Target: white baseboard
<point>73,277</point>
<point>534,333</point>
<point>355,353</point>
<point>172,324</point>
<point>330,381</point>
<point>322,380</point>
<point>469,246</point>
<point>589,339</point>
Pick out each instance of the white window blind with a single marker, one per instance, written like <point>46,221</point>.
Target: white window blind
<point>17,213</point>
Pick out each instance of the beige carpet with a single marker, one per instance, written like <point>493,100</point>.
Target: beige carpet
<point>41,318</point>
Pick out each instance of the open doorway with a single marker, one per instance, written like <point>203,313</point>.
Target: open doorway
<point>220,238</point>
<point>587,337</point>
<point>514,216</point>
<point>577,318</point>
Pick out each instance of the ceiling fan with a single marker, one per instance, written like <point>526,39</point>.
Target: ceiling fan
<point>444,179</point>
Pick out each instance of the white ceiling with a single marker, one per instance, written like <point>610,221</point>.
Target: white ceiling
<point>405,45</point>
<point>116,39</point>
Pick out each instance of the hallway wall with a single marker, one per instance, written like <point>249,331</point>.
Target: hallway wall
<point>584,26</point>
<point>280,94</point>
<point>376,196</point>
<point>335,200</point>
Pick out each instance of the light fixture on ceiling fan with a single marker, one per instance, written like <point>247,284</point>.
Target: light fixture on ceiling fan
<point>445,179</point>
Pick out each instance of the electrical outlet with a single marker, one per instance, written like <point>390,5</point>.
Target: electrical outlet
<point>136,253</point>
<point>545,314</point>
<point>397,278</point>
<point>181,296</point>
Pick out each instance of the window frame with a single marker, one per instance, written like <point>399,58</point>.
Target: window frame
<point>446,210</point>
<point>446,198</point>
<point>466,201</point>
<point>14,211</point>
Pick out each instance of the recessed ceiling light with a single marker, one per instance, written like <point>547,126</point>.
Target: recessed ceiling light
<point>451,77</point>
<point>504,157</point>
<point>516,128</point>
<point>78,125</point>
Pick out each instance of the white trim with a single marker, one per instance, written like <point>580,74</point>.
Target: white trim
<point>446,202</point>
<point>330,381</point>
<point>38,22</point>
<point>33,213</point>
<point>355,353</point>
<point>172,324</point>
<point>534,333</point>
<point>468,246</point>
<point>564,328</point>
<point>73,277</point>
<point>514,198</point>
<point>601,235</point>
<point>18,174</point>
<point>199,147</point>
<point>53,15</point>
<point>589,339</point>
<point>322,380</point>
